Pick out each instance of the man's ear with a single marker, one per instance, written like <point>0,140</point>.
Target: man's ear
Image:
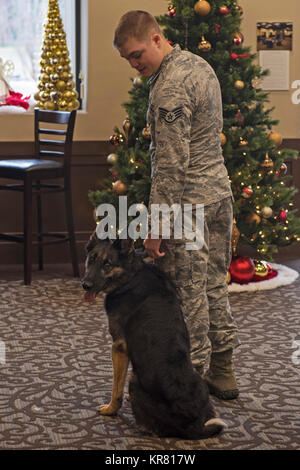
<point>156,38</point>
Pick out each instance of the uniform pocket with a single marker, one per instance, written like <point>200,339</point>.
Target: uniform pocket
<point>190,265</point>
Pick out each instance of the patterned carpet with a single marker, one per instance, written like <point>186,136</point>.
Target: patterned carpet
<point>55,370</point>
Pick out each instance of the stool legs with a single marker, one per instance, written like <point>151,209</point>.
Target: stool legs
<point>70,227</point>
<point>40,228</point>
<point>27,230</point>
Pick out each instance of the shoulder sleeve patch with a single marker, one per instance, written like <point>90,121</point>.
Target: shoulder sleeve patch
<point>170,116</point>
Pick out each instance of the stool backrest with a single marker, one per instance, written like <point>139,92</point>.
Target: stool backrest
<point>63,135</point>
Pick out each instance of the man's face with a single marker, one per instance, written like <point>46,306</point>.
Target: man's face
<point>144,56</point>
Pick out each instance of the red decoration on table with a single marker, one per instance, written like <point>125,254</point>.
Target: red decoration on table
<point>241,269</point>
<point>16,99</point>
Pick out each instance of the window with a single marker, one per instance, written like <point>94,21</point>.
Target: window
<point>21,36</point>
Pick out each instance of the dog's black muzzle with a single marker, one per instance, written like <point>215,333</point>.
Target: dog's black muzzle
<point>87,285</point>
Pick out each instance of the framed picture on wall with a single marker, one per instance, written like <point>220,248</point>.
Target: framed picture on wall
<point>274,36</point>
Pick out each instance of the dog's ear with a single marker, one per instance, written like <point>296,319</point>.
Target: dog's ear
<point>92,242</point>
<point>124,246</point>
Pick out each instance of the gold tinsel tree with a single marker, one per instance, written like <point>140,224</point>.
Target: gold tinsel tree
<point>56,85</point>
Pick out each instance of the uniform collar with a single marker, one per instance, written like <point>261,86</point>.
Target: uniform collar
<point>176,49</point>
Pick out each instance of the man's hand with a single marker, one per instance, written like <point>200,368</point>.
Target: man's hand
<point>152,247</point>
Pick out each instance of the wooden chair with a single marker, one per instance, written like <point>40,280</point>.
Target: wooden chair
<point>32,173</point>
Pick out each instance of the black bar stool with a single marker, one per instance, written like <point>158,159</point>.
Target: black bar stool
<point>32,173</point>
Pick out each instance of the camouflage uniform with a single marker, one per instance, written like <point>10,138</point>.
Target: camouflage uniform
<point>185,117</point>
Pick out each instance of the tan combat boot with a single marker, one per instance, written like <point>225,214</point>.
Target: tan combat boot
<point>220,377</point>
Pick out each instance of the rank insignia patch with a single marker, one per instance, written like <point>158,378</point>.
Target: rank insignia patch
<point>170,116</point>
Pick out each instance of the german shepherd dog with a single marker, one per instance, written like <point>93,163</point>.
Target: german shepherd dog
<point>168,397</point>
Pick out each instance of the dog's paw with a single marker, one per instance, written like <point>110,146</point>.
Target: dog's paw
<point>108,410</point>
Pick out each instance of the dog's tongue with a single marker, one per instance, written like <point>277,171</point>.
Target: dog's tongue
<point>90,296</point>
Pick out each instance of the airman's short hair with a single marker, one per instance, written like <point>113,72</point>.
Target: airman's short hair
<point>138,24</point>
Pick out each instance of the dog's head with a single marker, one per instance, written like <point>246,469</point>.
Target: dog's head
<point>109,264</point>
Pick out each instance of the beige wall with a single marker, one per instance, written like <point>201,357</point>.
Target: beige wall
<point>276,10</point>
<point>109,76</point>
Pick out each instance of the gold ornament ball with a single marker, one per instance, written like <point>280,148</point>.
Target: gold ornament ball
<point>70,84</point>
<point>204,46</point>
<point>50,86</point>
<point>50,69</point>
<point>61,85</point>
<point>49,106</point>
<point>261,268</point>
<point>68,95</point>
<point>37,96</point>
<point>66,76</point>
<point>126,126</point>
<point>253,218</point>
<point>137,81</point>
<point>119,188</point>
<point>76,105</point>
<point>202,8</point>
<point>54,60</point>
<point>55,95</point>
<point>44,78</point>
<point>267,212</point>
<point>268,163</point>
<point>62,105</point>
<point>54,77</point>
<point>44,96</point>
<point>146,133</point>
<point>112,158</point>
<point>276,137</point>
<point>223,139</point>
<point>239,84</point>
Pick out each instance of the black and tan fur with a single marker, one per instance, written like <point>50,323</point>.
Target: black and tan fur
<point>168,397</point>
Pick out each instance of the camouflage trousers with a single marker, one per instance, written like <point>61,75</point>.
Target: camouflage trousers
<point>200,280</point>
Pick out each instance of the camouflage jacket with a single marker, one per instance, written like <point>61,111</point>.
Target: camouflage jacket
<point>185,117</point>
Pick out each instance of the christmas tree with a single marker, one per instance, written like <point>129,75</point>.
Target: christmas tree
<point>264,217</point>
<point>56,85</point>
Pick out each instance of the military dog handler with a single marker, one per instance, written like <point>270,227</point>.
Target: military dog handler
<point>185,117</point>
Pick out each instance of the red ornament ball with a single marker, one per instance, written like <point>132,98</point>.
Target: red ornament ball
<point>171,10</point>
<point>282,216</point>
<point>223,10</point>
<point>238,39</point>
<point>247,192</point>
<point>242,269</point>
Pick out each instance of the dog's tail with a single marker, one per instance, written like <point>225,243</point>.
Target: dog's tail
<point>213,426</point>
